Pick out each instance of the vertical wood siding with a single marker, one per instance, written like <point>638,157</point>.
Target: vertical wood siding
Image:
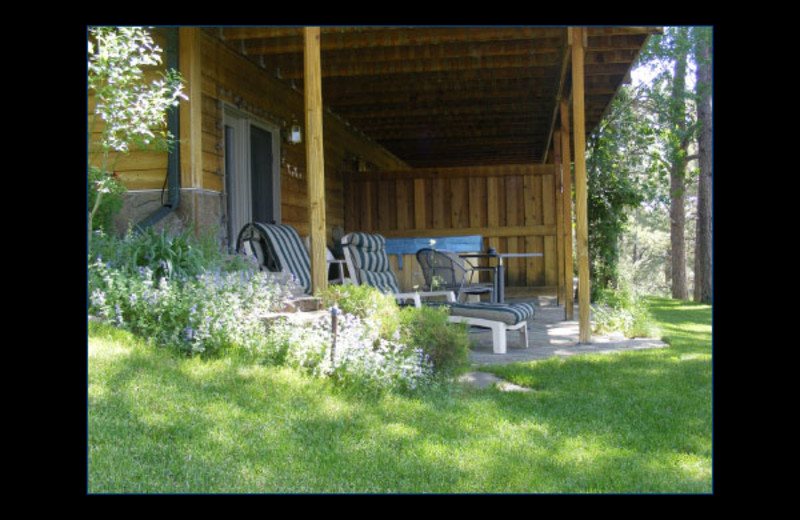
<point>511,206</point>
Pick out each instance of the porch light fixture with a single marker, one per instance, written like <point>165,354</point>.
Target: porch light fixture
<point>295,135</point>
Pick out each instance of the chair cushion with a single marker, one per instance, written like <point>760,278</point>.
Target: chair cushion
<point>383,281</point>
<point>286,247</point>
<point>368,252</point>
<point>509,313</point>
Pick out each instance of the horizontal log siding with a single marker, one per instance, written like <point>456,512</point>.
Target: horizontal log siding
<point>512,207</point>
<point>228,77</point>
<point>138,170</point>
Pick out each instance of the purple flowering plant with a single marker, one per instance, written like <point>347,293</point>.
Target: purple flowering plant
<point>207,310</point>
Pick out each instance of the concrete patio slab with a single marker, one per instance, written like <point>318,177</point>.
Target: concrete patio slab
<point>549,336</point>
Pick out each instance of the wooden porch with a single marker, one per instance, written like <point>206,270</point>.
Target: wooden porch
<point>479,128</point>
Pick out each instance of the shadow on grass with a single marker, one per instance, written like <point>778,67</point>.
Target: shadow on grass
<point>628,422</point>
<point>637,422</point>
<point>159,423</point>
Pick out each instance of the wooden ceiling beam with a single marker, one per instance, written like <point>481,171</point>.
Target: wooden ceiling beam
<point>281,46</point>
<point>524,65</point>
<point>453,131</point>
<point>449,94</point>
<point>446,110</point>
<point>364,37</point>
<point>617,31</point>
<point>277,40</point>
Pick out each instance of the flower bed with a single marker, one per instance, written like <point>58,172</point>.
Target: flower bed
<point>215,306</point>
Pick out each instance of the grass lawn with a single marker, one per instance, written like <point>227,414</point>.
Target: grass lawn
<point>637,422</point>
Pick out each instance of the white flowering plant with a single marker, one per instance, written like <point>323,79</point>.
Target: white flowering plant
<point>356,355</point>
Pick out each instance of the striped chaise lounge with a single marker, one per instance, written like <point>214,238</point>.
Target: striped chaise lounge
<point>279,249</point>
<point>368,264</point>
<point>499,317</point>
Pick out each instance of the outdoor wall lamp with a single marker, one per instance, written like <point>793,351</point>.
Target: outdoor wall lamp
<point>294,135</point>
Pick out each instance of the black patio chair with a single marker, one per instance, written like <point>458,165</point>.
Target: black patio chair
<point>445,270</point>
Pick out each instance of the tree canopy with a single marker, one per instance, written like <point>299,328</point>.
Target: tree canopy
<point>643,154</point>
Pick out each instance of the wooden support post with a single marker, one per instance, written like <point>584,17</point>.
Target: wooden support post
<point>581,200</point>
<point>315,163</point>
<point>191,114</point>
<point>561,288</point>
<point>569,300</point>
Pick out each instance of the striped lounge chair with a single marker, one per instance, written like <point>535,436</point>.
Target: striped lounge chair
<point>278,248</point>
<point>368,264</point>
<point>499,317</point>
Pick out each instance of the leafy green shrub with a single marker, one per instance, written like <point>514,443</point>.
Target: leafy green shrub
<point>183,255</point>
<point>622,311</point>
<point>175,292</point>
<point>132,108</point>
<point>110,198</point>
<point>365,302</point>
<point>445,343</point>
<point>357,357</point>
<point>427,328</point>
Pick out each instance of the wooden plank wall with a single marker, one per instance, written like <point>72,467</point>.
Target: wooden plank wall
<point>511,206</point>
<point>138,169</point>
<point>229,78</point>
<point>367,188</point>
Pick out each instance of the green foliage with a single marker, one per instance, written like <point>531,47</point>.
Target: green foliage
<point>427,328</point>
<point>109,203</point>
<point>168,256</point>
<point>365,301</point>
<point>182,292</point>
<point>619,180</point>
<point>637,422</point>
<point>640,157</point>
<point>622,311</point>
<point>643,250</point>
<point>444,344</point>
<point>130,110</point>
<point>171,292</point>
<point>353,354</point>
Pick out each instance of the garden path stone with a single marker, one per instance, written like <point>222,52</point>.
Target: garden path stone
<point>486,379</point>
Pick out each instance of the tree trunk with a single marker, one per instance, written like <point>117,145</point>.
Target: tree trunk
<point>677,174</point>
<point>677,229</point>
<point>703,260</point>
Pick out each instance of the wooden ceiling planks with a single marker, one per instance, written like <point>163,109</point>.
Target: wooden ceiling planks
<point>449,96</point>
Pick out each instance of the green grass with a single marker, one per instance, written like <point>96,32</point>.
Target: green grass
<point>622,423</point>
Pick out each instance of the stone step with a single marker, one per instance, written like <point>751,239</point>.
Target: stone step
<point>302,304</point>
<point>304,309</point>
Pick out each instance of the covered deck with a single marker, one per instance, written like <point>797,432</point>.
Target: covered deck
<point>485,121</point>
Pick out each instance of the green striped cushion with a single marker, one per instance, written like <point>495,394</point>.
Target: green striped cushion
<point>286,247</point>
<point>369,255</point>
<point>384,282</point>
<point>509,313</point>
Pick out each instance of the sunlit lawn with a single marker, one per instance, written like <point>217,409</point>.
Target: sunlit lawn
<point>622,423</point>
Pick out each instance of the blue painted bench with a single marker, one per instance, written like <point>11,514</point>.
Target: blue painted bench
<point>410,246</point>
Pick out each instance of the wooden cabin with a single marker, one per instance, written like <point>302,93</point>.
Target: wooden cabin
<point>402,131</point>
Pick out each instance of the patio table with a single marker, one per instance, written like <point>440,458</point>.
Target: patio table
<point>499,293</point>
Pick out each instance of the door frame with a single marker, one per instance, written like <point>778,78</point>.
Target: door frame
<point>241,121</point>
